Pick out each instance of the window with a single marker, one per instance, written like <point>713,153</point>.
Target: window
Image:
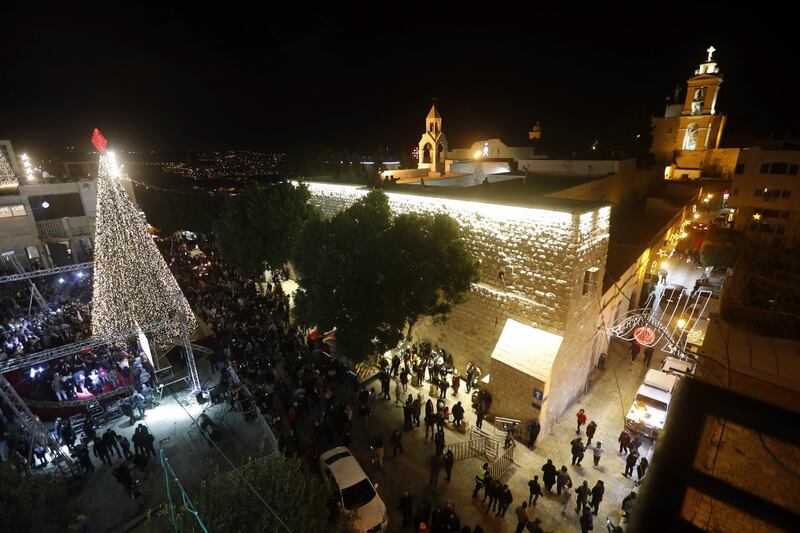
<point>778,168</point>
<point>785,193</point>
<point>8,211</point>
<point>590,279</point>
<point>764,168</point>
<point>690,141</point>
<point>793,170</point>
<point>739,169</point>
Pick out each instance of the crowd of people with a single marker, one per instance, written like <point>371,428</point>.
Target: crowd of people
<point>65,319</point>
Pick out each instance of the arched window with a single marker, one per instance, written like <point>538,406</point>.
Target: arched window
<point>426,153</point>
<point>690,141</point>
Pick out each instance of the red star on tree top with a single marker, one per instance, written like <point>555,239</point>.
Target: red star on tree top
<point>99,141</point>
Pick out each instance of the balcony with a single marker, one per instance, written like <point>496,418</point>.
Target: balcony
<point>64,228</point>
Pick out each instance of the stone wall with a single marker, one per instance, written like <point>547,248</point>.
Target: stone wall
<point>515,398</point>
<point>545,255</point>
<point>535,248</point>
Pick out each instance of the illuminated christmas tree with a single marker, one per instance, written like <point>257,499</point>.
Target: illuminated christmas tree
<point>7,177</point>
<point>132,284</point>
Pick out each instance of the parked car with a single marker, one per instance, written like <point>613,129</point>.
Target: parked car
<point>356,493</point>
<point>648,413</point>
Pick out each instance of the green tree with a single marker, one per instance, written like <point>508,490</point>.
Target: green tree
<point>369,273</point>
<point>38,503</point>
<point>297,496</point>
<point>261,225</point>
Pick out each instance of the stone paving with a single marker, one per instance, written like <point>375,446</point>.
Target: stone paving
<point>609,396</point>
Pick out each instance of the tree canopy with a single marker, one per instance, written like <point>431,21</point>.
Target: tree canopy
<point>297,496</point>
<point>369,273</point>
<point>35,502</point>
<point>261,225</point>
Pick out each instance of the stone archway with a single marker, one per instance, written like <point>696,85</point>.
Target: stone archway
<point>426,153</point>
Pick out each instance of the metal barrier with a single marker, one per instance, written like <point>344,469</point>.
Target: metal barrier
<point>502,464</point>
<point>491,444</point>
<point>468,448</point>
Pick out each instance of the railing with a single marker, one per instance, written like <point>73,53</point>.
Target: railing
<point>502,464</point>
<point>468,448</point>
<point>491,443</point>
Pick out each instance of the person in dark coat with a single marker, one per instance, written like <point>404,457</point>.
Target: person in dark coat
<point>438,440</point>
<point>597,495</point>
<point>479,412</point>
<point>506,498</point>
<point>493,490</point>
<point>586,521</point>
<point>449,461</point>
<point>110,440</point>
<point>630,462</point>
<point>590,429</point>
<point>405,506</point>
<point>458,414</point>
<point>549,476</point>
<point>535,490</point>
<point>100,450</point>
<point>534,429</point>
<point>577,450</point>
<point>582,501</point>
<point>641,470</point>
<point>624,440</point>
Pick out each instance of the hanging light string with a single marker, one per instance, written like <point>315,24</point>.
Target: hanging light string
<point>187,502</point>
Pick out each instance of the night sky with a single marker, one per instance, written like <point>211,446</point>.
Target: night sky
<point>283,78</point>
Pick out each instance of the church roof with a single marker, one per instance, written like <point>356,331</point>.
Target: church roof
<point>434,113</point>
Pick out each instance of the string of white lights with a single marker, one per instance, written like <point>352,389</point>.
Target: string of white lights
<point>132,283</point>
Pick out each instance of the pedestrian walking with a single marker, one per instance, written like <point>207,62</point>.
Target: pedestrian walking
<point>100,450</point>
<point>404,379</point>
<point>550,474</point>
<point>624,441</point>
<point>581,417</point>
<point>628,504</point>
<point>110,440</point>
<point>630,462</point>
<point>590,430</point>
<point>386,382</point>
<point>149,442</point>
<point>577,450</point>
<point>563,481</point>
<point>533,429</point>
<point>479,412</point>
<point>436,464</point>
<point>456,382</point>
<point>634,350</point>
<point>430,422</point>
<point>416,410</point>
<point>597,495</point>
<point>125,444</point>
<point>398,391</point>
<point>480,476</point>
<point>522,516</point>
<point>405,506</point>
<point>397,442</point>
<point>641,470</point>
<point>470,376</point>
<point>493,490</point>
<point>586,520</point>
<point>506,498</point>
<point>582,500</point>
<point>449,461</point>
<point>597,452</point>
<point>438,441</point>
<point>535,526</point>
<point>648,355</point>
<point>535,490</point>
<point>566,501</point>
<point>443,385</point>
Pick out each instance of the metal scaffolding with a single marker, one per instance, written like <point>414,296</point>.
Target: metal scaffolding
<point>35,294</point>
<point>41,273</point>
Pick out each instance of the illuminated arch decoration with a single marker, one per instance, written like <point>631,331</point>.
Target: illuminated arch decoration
<point>666,324</point>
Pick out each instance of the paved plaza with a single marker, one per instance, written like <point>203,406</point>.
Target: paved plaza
<point>606,402</point>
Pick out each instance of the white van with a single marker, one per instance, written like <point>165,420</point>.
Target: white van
<point>648,413</point>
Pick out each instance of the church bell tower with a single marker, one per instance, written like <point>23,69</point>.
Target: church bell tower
<point>433,144</point>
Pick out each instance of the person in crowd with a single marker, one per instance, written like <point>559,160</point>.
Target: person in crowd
<point>406,506</point>
<point>550,475</point>
<point>563,481</point>
<point>533,432</point>
<point>577,448</point>
<point>597,453</point>
<point>582,500</point>
<point>597,495</point>
<point>449,461</point>
<point>397,442</point>
<point>436,463</point>
<point>630,463</point>
<point>581,418</point>
<point>590,430</point>
<point>522,516</point>
<point>535,489</point>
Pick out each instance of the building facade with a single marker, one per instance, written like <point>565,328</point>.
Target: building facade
<point>766,196</point>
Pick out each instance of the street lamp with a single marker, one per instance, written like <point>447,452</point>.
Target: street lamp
<point>681,323</point>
